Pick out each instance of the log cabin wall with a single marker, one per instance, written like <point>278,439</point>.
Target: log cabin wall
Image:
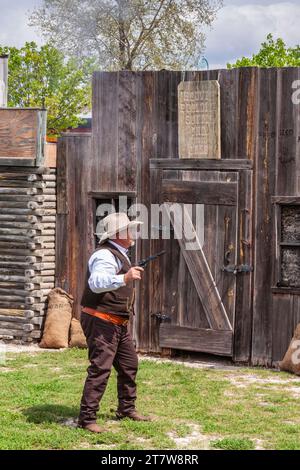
<point>27,224</point>
<point>135,119</point>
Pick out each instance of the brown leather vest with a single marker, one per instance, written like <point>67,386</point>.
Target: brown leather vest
<point>119,301</point>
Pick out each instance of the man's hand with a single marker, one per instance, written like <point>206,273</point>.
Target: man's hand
<point>134,274</point>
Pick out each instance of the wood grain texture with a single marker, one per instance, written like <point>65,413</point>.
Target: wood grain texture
<point>190,192</point>
<point>199,270</point>
<point>22,136</point>
<point>50,154</point>
<point>196,339</point>
<point>265,188</point>
<point>203,164</point>
<point>199,126</point>
<point>75,219</point>
<point>244,282</point>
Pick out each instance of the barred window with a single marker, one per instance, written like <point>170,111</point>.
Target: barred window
<point>289,245</point>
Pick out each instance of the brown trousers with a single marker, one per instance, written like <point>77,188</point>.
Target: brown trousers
<point>109,346</point>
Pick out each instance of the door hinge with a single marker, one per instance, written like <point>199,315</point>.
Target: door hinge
<point>161,317</point>
<point>242,268</point>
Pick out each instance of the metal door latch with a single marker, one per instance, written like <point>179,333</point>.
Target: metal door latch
<point>242,268</point>
<point>161,317</point>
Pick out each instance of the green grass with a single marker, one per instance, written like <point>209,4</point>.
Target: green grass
<point>234,444</point>
<point>192,408</point>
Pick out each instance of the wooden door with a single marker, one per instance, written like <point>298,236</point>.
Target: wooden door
<point>206,290</point>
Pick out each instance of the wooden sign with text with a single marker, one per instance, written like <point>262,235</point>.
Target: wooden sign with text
<point>199,123</point>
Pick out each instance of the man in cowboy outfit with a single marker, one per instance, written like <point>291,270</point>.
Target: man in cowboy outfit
<point>107,304</point>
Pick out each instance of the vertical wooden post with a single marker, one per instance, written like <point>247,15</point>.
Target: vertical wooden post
<point>3,80</point>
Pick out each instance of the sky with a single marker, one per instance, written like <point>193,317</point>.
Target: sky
<point>238,31</point>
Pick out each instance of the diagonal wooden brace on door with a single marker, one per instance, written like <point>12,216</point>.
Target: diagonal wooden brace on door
<point>198,266</point>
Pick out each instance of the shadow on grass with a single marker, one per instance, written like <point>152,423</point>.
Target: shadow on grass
<point>59,414</point>
<point>50,413</point>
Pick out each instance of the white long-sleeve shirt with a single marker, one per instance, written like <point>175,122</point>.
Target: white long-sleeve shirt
<point>104,268</point>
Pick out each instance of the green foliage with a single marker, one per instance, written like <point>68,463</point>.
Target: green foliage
<point>273,53</point>
<point>43,78</point>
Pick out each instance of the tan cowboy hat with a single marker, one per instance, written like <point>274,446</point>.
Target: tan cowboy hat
<point>114,223</point>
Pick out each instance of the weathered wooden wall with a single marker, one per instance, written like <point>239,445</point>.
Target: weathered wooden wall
<point>74,239</point>
<point>277,170</point>
<point>135,119</point>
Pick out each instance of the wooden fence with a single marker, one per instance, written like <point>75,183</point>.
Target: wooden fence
<point>134,145</point>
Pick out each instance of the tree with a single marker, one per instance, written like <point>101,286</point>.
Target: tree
<point>41,77</point>
<point>272,54</point>
<point>128,34</point>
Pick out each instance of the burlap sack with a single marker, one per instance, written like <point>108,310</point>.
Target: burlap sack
<point>291,360</point>
<point>58,320</point>
<point>77,336</point>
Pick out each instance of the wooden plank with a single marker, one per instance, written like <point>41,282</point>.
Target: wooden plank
<point>79,239</point>
<point>126,168</point>
<point>161,97</point>
<point>192,192</point>
<point>224,251</point>
<point>104,158</point>
<point>199,270</point>
<point>203,164</point>
<point>246,117</point>
<point>6,161</point>
<point>164,113</point>
<point>155,275</point>
<point>16,170</point>
<point>13,318</point>
<point>146,145</point>
<point>244,282</point>
<point>41,137</point>
<point>15,183</point>
<point>196,339</point>
<point>62,196</point>
<point>282,325</point>
<point>264,184</point>
<point>285,290</point>
<point>229,87</point>
<point>285,200</point>
<point>287,133</point>
<point>11,332</point>
<point>74,241</point>
<point>111,194</point>
<point>51,154</point>
<point>12,312</point>
<point>11,325</point>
